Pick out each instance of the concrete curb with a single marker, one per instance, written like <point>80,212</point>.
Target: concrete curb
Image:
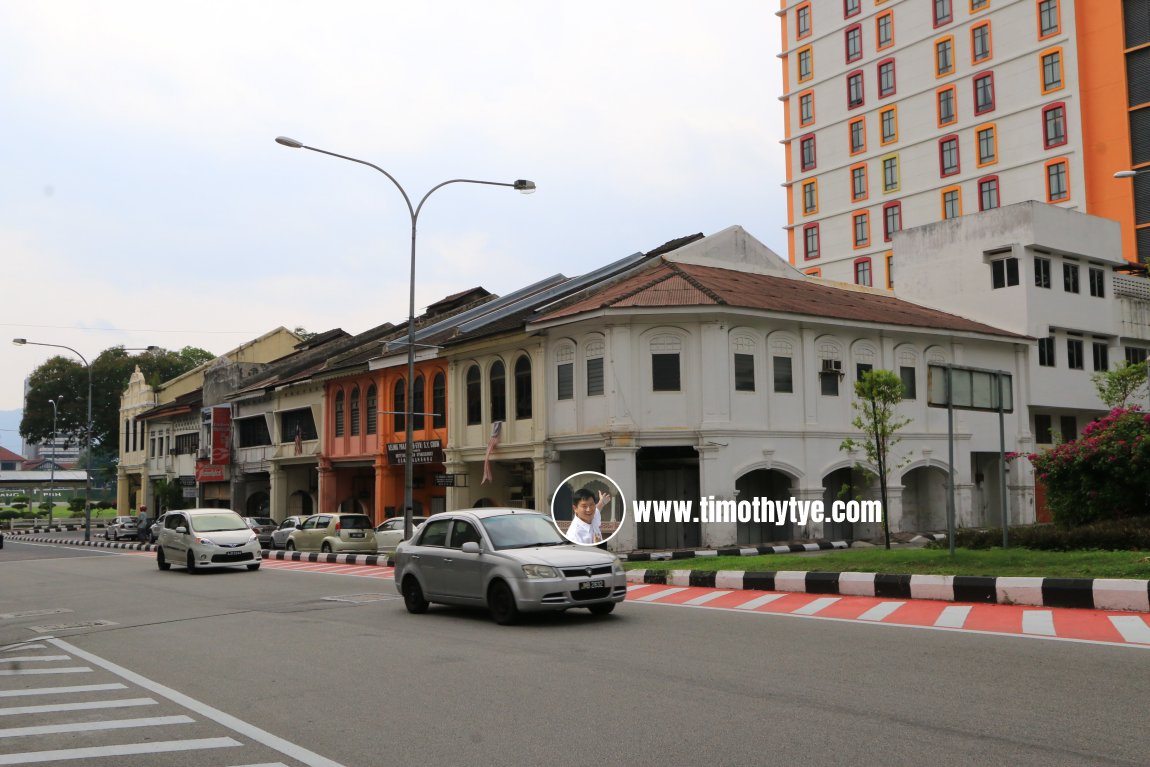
<point>1090,593</point>
<point>373,560</point>
<point>750,551</point>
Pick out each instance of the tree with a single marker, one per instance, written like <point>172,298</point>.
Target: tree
<point>65,379</point>
<point>1116,387</point>
<point>878,394</point>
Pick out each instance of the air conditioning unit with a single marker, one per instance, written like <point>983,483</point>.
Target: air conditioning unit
<point>204,453</point>
<point>833,366</point>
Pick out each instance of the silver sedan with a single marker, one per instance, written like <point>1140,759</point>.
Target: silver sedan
<point>510,560</point>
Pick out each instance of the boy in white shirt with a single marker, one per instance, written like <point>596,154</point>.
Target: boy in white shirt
<point>586,519</point>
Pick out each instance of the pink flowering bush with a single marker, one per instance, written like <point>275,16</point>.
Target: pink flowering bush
<point>1104,474</point>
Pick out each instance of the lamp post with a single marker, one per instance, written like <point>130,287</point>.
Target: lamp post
<point>522,185</point>
<point>52,480</point>
<point>87,434</point>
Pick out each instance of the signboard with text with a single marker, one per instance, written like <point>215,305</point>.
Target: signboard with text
<point>423,451</point>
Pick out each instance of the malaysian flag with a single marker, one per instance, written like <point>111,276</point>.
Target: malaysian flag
<point>496,433</point>
<point>298,440</point>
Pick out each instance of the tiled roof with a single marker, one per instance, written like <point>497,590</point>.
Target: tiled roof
<point>668,284</point>
<point>8,455</point>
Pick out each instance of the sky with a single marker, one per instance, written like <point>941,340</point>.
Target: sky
<point>143,199</point>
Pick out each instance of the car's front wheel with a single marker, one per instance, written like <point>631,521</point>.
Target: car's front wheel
<point>255,566</point>
<point>603,608</point>
<point>413,596</point>
<point>501,602</point>
<point>290,546</point>
<point>161,561</point>
<point>191,562</point>
<point>110,535</point>
<point>325,548</point>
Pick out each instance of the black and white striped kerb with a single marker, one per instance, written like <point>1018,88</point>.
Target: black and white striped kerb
<point>1093,593</point>
<point>751,551</point>
<point>375,560</point>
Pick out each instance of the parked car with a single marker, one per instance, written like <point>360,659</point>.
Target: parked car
<point>263,528</point>
<point>389,533</point>
<point>333,533</point>
<point>157,526</point>
<point>199,538</point>
<point>122,527</point>
<point>510,560</point>
<point>286,528</point>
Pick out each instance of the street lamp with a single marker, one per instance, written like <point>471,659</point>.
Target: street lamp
<point>52,480</point>
<point>522,185</point>
<point>87,434</point>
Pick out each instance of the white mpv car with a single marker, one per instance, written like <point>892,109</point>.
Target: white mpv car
<point>198,538</point>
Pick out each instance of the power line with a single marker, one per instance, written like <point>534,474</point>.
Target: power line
<point>125,330</point>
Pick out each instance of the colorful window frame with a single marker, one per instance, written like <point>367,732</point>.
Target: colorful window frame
<point>806,108</point>
<point>986,144</point>
<point>887,84</point>
<point>1048,14</point>
<point>949,161</point>
<point>802,21</point>
<point>860,228</point>
<point>943,12</point>
<point>891,177</point>
<point>811,242</point>
<point>808,158</point>
<point>856,135</point>
<point>809,194</point>
<point>862,271</point>
<point>945,98</point>
<point>852,43</point>
<point>851,8</point>
<point>859,185</point>
<point>888,125</point>
<point>884,30</point>
<point>805,57</point>
<point>944,56</point>
<point>978,5</point>
<point>1057,174</point>
<point>1052,70</point>
<point>989,194</point>
<point>1054,125</point>
<point>951,199</point>
<point>856,89</point>
<point>981,44</point>
<point>891,219</point>
<point>983,86</point>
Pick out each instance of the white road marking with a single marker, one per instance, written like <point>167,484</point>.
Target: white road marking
<point>91,704</point>
<point>30,757</point>
<point>1132,628</point>
<point>109,724</point>
<point>881,611</point>
<point>31,671</point>
<point>227,720</point>
<point>816,606</point>
<point>759,601</point>
<point>953,617</point>
<point>35,658</point>
<point>705,598</point>
<point>34,613</point>
<point>1039,622</point>
<point>659,594</point>
<point>266,764</point>
<point>63,690</point>
<point>22,646</point>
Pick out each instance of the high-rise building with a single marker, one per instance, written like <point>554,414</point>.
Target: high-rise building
<point>905,112</point>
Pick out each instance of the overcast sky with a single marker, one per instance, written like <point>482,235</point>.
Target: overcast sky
<point>143,199</point>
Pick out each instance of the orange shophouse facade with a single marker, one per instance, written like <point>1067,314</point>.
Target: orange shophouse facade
<point>361,468</point>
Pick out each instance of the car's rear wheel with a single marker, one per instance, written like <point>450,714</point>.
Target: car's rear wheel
<point>501,602</point>
<point>413,596</point>
<point>325,548</point>
<point>110,535</point>
<point>191,562</point>
<point>255,566</point>
<point>603,608</point>
<point>161,562</point>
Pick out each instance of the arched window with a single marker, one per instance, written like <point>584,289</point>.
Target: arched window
<point>474,403</point>
<point>339,413</point>
<point>372,409</point>
<point>417,405</point>
<point>439,401</point>
<point>523,387</point>
<point>400,408</point>
<point>497,380</point>
<point>355,412</point>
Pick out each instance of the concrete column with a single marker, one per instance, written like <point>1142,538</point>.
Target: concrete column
<point>715,480</point>
<point>122,493</point>
<point>621,373</point>
<point>715,381</point>
<point>807,376</point>
<point>811,530</point>
<point>620,464</point>
<point>328,499</point>
<point>277,492</point>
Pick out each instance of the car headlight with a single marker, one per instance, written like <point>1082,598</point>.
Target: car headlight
<point>205,541</point>
<point>540,571</point>
<point>617,566</point>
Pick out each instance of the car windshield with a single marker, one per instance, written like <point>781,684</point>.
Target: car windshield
<point>522,531</point>
<point>263,520</point>
<point>217,523</point>
<point>355,522</point>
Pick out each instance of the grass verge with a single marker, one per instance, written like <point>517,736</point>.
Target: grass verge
<point>992,562</point>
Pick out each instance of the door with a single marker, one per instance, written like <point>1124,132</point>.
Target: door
<point>462,572</point>
<point>671,474</point>
<point>427,558</point>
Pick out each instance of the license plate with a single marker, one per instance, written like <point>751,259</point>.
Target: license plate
<point>591,585</point>
<point>233,553</point>
<point>355,535</point>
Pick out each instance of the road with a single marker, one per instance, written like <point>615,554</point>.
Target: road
<point>333,666</point>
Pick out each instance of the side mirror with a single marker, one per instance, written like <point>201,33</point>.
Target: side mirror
<point>471,547</point>
<point>299,527</point>
<point>182,530</point>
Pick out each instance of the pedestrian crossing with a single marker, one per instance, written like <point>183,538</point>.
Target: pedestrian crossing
<point>1100,626</point>
<point>90,711</point>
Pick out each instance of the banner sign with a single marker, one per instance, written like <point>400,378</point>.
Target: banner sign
<point>221,435</point>
<point>423,451</point>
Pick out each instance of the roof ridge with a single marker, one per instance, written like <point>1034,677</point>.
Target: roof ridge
<point>697,284</point>
<point>656,279</point>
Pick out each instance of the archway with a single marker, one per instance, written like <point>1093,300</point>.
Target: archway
<point>767,484</point>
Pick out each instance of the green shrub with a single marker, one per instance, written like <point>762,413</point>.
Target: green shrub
<point>19,506</point>
<point>1109,535</point>
<point>20,499</point>
<point>46,506</point>
<point>1104,474</point>
<point>8,514</point>
<point>76,504</point>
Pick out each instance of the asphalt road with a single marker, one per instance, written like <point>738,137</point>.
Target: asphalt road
<point>367,684</point>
